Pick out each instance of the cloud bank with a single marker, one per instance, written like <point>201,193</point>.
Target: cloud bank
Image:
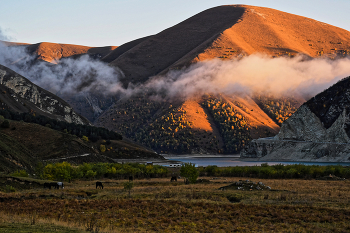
<point>69,76</point>
<point>252,74</point>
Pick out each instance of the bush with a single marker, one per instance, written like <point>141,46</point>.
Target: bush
<point>128,186</point>
<point>189,171</point>
<point>102,148</point>
<point>234,198</point>
<point>86,139</point>
<point>5,124</point>
<point>9,189</point>
<point>21,173</point>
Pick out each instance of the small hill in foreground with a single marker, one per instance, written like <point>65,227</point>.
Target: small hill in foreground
<point>23,145</point>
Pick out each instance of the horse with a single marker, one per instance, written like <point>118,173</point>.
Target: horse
<point>60,184</point>
<point>54,185</point>
<point>99,184</point>
<point>131,178</point>
<point>173,178</point>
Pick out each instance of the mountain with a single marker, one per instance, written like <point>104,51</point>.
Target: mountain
<point>228,32</point>
<point>214,123</point>
<point>318,131</point>
<point>20,95</point>
<point>53,52</point>
<point>210,123</point>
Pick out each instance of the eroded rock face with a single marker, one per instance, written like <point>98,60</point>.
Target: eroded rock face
<point>303,137</point>
<point>19,92</point>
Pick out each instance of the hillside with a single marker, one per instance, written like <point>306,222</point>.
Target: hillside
<point>23,145</point>
<point>211,124</point>
<point>228,32</point>
<point>317,131</point>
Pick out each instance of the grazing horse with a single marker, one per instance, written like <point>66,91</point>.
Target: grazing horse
<point>173,178</point>
<point>131,178</point>
<point>99,184</point>
<point>54,185</point>
<point>60,185</point>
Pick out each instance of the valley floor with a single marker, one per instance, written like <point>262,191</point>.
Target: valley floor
<point>158,205</point>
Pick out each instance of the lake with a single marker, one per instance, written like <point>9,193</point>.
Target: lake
<point>232,161</point>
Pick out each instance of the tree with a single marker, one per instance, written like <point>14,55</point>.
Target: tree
<point>128,186</point>
<point>190,172</point>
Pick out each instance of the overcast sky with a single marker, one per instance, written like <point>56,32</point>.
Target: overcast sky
<point>114,22</point>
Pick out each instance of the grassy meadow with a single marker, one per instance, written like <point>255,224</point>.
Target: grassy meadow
<point>156,204</point>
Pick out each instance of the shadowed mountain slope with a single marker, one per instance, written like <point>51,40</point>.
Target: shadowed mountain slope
<point>23,145</point>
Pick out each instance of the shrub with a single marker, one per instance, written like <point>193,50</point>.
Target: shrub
<point>128,186</point>
<point>9,189</point>
<point>21,173</point>
<point>102,148</point>
<point>189,171</point>
<point>234,197</point>
<point>86,139</point>
<point>5,124</point>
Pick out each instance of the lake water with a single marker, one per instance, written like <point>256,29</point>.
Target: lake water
<point>232,161</point>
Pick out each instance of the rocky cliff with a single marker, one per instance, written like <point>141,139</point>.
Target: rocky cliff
<point>20,95</point>
<point>317,131</point>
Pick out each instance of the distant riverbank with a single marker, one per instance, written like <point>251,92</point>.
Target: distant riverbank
<point>235,160</point>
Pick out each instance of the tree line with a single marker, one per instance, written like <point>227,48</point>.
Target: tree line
<point>65,171</point>
<point>278,171</point>
<point>93,133</point>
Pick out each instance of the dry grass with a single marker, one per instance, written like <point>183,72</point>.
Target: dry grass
<point>158,205</point>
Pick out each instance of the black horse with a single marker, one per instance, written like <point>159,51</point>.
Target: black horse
<point>99,184</point>
<point>51,184</point>
<point>131,178</point>
<point>173,178</point>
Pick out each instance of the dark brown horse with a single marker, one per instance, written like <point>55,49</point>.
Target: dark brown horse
<point>99,185</point>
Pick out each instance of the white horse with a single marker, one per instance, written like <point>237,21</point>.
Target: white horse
<point>60,184</point>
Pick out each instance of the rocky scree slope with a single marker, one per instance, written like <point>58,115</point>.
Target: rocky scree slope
<point>20,95</point>
<point>318,131</point>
